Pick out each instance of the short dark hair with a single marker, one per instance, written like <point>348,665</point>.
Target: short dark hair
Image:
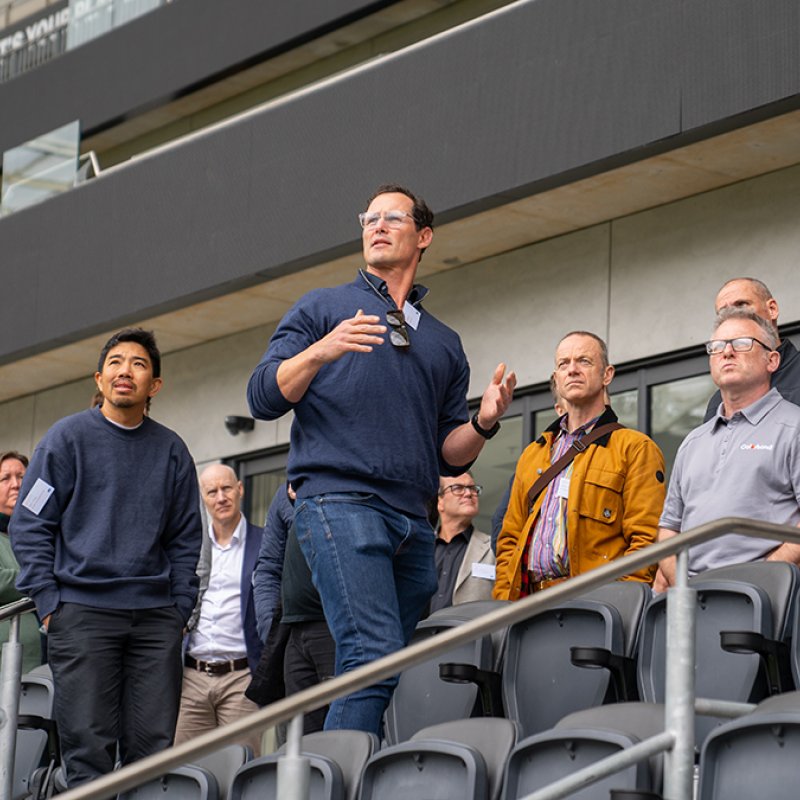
<point>140,336</point>
<point>603,346</point>
<point>13,454</point>
<point>423,216</point>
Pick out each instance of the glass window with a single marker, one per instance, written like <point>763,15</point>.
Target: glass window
<point>542,420</point>
<point>258,493</point>
<point>677,408</point>
<point>626,407</point>
<point>494,468</point>
<point>40,168</point>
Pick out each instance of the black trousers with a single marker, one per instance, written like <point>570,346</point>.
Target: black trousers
<point>310,658</point>
<point>117,676</point>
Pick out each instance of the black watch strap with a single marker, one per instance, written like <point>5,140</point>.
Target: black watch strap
<point>487,434</point>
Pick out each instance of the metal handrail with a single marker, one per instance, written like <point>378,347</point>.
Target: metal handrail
<point>15,608</point>
<point>317,696</point>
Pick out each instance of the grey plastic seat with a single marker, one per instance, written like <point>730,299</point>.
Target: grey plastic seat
<point>755,598</point>
<point>756,755</point>
<point>794,654</point>
<point>223,764</point>
<point>337,760</point>
<point>421,699</point>
<point>581,739</point>
<point>541,684</point>
<point>463,759</point>
<point>37,741</point>
<point>182,783</point>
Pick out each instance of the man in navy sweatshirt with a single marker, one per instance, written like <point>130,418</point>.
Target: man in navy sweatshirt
<point>376,423</point>
<point>107,532</point>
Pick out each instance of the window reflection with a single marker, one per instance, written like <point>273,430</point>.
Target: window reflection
<point>259,490</point>
<point>677,408</point>
<point>40,168</point>
<point>626,407</point>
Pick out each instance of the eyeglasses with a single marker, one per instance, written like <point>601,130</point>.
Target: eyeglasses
<point>741,344</point>
<point>398,335</point>
<point>460,489</point>
<point>392,219</point>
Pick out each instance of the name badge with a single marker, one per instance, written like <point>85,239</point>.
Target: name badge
<point>486,571</point>
<point>38,495</point>
<point>562,490</point>
<point>411,315</point>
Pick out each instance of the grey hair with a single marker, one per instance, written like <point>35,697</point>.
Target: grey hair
<point>743,313</point>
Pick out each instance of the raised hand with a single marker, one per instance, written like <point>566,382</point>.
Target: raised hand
<point>497,397</point>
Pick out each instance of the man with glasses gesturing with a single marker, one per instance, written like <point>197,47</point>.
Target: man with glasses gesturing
<point>745,461</point>
<point>376,422</point>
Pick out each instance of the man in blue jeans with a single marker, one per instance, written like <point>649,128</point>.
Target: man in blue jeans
<point>376,422</point>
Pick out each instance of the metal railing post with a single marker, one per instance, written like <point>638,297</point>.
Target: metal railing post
<point>10,675</point>
<point>294,769</point>
<point>679,689</point>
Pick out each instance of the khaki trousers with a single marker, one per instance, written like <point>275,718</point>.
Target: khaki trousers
<point>210,701</point>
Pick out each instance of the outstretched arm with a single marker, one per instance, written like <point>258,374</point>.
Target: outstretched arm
<point>464,443</point>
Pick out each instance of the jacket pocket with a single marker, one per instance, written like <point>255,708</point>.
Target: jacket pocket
<point>601,497</point>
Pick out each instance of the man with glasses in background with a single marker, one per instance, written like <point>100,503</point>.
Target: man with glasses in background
<point>745,461</point>
<point>753,295</point>
<point>376,422</point>
<point>463,555</point>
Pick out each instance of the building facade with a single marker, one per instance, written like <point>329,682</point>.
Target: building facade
<point>593,165</point>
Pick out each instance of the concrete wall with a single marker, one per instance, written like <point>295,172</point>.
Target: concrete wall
<point>645,282</point>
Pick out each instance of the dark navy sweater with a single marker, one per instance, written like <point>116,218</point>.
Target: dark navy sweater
<point>122,528</point>
<point>369,422</point>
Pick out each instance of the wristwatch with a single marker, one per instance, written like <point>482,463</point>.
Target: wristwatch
<point>487,434</point>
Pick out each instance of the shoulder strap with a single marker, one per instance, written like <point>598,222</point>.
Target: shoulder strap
<point>578,446</point>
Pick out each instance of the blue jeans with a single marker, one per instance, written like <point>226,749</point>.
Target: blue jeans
<point>374,570</point>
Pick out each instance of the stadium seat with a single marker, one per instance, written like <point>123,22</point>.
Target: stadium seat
<point>541,684</point>
<point>182,783</point>
<point>421,698</point>
<point>753,598</point>
<point>756,755</point>
<point>223,764</point>
<point>581,739</point>
<point>463,759</point>
<point>337,759</point>
<point>37,739</point>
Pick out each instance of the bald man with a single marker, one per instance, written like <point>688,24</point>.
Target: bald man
<point>751,294</point>
<point>223,647</point>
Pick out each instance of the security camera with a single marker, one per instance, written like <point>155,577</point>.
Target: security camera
<point>237,425</point>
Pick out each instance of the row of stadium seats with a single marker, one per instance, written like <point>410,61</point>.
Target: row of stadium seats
<point>482,759</point>
<point>524,710</point>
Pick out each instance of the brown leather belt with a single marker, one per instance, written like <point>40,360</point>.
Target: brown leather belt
<point>537,586</point>
<point>216,667</point>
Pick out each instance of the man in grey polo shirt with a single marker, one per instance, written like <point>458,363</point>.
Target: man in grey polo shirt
<point>745,461</point>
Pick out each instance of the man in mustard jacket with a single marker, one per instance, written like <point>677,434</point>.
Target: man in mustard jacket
<point>605,503</point>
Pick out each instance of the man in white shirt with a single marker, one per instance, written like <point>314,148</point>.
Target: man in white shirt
<point>223,646</point>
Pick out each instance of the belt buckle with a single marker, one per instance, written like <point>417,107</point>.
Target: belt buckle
<point>208,669</point>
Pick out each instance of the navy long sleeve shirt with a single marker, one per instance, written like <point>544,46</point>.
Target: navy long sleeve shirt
<point>121,528</point>
<point>369,422</point>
